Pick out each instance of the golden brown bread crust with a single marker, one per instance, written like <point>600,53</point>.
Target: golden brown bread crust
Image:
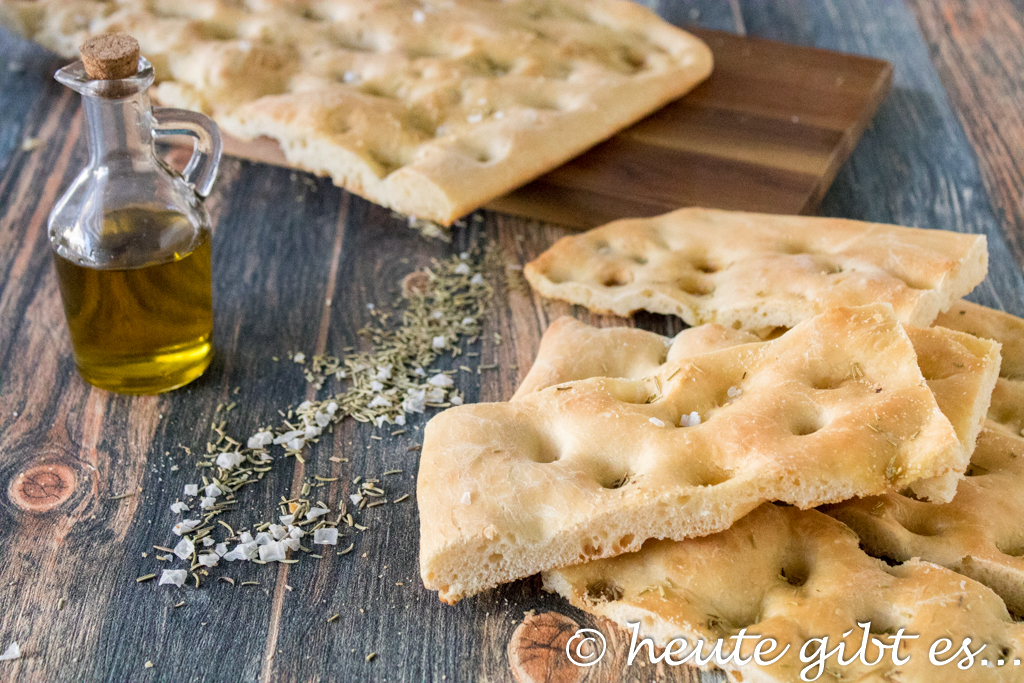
<point>593,468</point>
<point>710,587</point>
<point>792,575</point>
<point>980,533</point>
<point>758,270</point>
<point>571,350</point>
<point>429,108</point>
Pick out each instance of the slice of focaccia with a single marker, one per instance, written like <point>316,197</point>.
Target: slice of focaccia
<point>571,350</point>
<point>793,575</point>
<point>834,408</point>
<point>431,108</point>
<point>757,270</point>
<point>980,533</point>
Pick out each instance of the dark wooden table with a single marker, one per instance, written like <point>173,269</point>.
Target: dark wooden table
<point>946,150</point>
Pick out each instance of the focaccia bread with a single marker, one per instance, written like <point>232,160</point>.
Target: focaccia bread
<point>793,575</point>
<point>988,323</point>
<point>754,271</point>
<point>571,350</point>
<point>960,369</point>
<point>981,532</point>
<point>431,108</point>
<point>834,408</point>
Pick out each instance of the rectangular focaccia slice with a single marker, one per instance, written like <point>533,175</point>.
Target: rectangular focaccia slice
<point>960,369</point>
<point>980,533</point>
<point>757,270</point>
<point>430,108</point>
<point>793,575</point>
<point>834,408</point>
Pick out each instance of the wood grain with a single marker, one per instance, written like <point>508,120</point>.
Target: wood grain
<point>976,48</point>
<point>295,262</point>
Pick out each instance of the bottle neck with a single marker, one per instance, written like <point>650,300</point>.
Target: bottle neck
<point>120,130</point>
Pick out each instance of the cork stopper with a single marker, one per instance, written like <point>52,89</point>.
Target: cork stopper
<point>110,56</point>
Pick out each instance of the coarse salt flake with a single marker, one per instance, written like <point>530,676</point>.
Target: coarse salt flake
<point>212,490</point>
<point>173,576</point>
<point>691,420</point>
<point>208,559</point>
<point>185,525</point>
<point>441,380</point>
<point>438,342</point>
<point>380,402</point>
<point>733,392</point>
<point>415,402</point>
<point>325,536</point>
<point>316,512</point>
<point>260,440</point>
<point>467,498</point>
<point>288,436</point>
<point>299,357</point>
<point>179,507</point>
<point>191,489</point>
<point>184,549</point>
<point>226,461</point>
<point>272,552</point>
<point>12,652</point>
<point>656,422</point>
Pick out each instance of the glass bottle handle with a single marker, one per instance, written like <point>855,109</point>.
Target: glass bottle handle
<point>201,169</point>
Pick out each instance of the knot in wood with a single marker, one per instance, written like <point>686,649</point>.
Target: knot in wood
<point>416,282</point>
<point>536,651</point>
<point>42,487</point>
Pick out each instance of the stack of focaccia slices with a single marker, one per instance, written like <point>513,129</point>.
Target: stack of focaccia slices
<point>793,574</point>
<point>430,108</point>
<point>642,475</point>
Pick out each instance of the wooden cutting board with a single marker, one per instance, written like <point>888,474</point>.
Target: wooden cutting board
<point>767,132</point>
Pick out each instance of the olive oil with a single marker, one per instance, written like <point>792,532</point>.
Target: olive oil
<point>142,322</point>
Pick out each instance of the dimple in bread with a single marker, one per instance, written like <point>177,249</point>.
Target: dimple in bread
<point>430,108</point>
<point>793,575</point>
<point>980,533</point>
<point>834,408</point>
<point>758,270</point>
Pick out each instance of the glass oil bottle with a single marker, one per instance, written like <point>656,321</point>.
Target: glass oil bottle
<point>131,237</point>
